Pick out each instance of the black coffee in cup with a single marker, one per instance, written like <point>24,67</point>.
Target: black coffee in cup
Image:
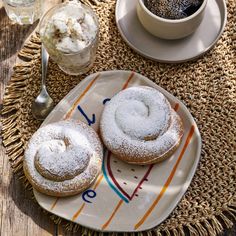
<point>173,9</point>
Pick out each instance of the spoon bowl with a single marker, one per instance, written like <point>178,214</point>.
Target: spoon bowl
<point>43,104</point>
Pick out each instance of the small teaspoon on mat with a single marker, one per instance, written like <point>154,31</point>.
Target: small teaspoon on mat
<point>43,104</point>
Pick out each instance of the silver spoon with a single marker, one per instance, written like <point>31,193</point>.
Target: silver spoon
<point>43,104</point>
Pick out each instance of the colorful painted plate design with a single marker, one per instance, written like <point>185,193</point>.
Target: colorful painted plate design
<point>124,197</point>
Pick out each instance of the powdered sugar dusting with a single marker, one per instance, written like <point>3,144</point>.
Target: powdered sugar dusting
<point>68,151</point>
<point>139,122</point>
<point>137,109</point>
<point>57,161</point>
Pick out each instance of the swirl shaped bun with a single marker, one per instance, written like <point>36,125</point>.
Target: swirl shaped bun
<point>139,126</point>
<point>63,158</point>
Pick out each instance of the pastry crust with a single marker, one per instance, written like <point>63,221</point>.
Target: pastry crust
<point>139,126</point>
<point>63,158</point>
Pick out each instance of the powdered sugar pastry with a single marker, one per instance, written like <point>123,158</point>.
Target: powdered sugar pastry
<point>63,158</point>
<point>139,125</point>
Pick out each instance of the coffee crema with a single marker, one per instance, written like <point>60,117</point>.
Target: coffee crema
<point>173,9</point>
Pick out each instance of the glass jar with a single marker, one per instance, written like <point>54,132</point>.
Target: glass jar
<point>23,11</point>
<point>70,32</point>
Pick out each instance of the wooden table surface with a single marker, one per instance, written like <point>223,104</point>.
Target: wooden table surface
<point>19,214</point>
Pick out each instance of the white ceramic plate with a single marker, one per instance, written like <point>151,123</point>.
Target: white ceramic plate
<point>171,51</point>
<point>124,197</point>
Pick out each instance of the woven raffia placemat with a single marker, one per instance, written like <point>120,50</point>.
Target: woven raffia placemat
<point>206,86</point>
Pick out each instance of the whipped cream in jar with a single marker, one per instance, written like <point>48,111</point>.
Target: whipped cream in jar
<point>69,32</point>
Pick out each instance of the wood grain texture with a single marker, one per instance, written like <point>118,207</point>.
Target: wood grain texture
<point>20,215</point>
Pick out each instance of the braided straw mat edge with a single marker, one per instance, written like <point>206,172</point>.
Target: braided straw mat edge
<point>206,86</point>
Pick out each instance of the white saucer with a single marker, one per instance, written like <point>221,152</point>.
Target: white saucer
<point>171,51</point>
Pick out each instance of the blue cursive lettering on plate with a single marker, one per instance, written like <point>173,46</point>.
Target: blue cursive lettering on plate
<point>90,122</point>
<point>106,100</point>
<point>88,194</point>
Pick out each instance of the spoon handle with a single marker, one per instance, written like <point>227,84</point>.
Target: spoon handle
<point>44,56</point>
